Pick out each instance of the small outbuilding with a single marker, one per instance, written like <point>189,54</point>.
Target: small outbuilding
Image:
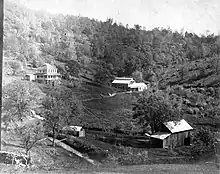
<point>172,134</point>
<point>78,131</point>
<point>29,77</point>
<point>138,87</point>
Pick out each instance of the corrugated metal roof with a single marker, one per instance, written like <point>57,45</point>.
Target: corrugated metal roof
<point>177,126</point>
<point>122,81</point>
<point>123,78</point>
<point>160,135</point>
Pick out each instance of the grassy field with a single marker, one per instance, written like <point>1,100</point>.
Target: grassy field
<point>138,169</point>
<point>47,159</point>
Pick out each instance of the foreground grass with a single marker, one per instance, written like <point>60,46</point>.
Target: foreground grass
<point>138,169</point>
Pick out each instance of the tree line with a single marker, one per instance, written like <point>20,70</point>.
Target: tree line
<point>107,48</point>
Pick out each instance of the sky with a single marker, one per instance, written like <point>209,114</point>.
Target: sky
<point>198,16</point>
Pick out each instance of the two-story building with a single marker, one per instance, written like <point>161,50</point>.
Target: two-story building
<point>47,74</point>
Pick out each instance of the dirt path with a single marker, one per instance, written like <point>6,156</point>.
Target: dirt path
<point>104,97</point>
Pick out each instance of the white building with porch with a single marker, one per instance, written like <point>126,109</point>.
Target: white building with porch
<point>47,74</point>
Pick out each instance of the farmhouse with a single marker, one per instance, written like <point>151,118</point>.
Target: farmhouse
<point>47,74</point>
<point>173,134</point>
<point>122,82</point>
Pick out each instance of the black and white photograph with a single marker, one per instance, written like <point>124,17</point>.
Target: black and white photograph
<point>109,86</point>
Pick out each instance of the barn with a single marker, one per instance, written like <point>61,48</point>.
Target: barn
<point>173,134</point>
<point>122,82</point>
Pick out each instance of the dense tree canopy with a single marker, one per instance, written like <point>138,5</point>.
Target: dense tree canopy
<point>154,109</point>
<point>185,66</point>
<point>116,50</point>
<point>60,108</point>
<point>19,97</point>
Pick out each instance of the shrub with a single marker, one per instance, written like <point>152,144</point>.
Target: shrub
<point>203,142</point>
<point>15,66</point>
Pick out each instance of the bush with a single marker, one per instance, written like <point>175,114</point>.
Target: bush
<point>203,142</point>
<point>12,158</point>
<point>15,66</point>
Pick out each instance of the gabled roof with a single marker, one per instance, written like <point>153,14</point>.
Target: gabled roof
<point>47,66</point>
<point>73,128</point>
<point>160,135</point>
<point>136,85</point>
<point>76,128</point>
<point>29,74</point>
<point>177,126</point>
<point>123,80</point>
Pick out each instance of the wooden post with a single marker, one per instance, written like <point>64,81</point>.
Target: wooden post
<point>1,63</point>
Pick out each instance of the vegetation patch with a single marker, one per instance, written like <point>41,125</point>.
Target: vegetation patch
<point>12,158</point>
<point>84,147</point>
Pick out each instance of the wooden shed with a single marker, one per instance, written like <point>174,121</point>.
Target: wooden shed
<point>78,131</point>
<point>29,77</point>
<point>173,134</point>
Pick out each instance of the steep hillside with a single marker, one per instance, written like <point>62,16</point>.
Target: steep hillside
<point>182,64</point>
<point>100,49</point>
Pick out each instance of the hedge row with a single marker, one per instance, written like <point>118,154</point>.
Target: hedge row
<point>84,146</point>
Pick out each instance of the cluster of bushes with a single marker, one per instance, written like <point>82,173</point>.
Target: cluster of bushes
<point>11,158</point>
<point>128,141</point>
<point>203,142</point>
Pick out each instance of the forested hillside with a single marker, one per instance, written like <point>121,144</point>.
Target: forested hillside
<point>184,64</point>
